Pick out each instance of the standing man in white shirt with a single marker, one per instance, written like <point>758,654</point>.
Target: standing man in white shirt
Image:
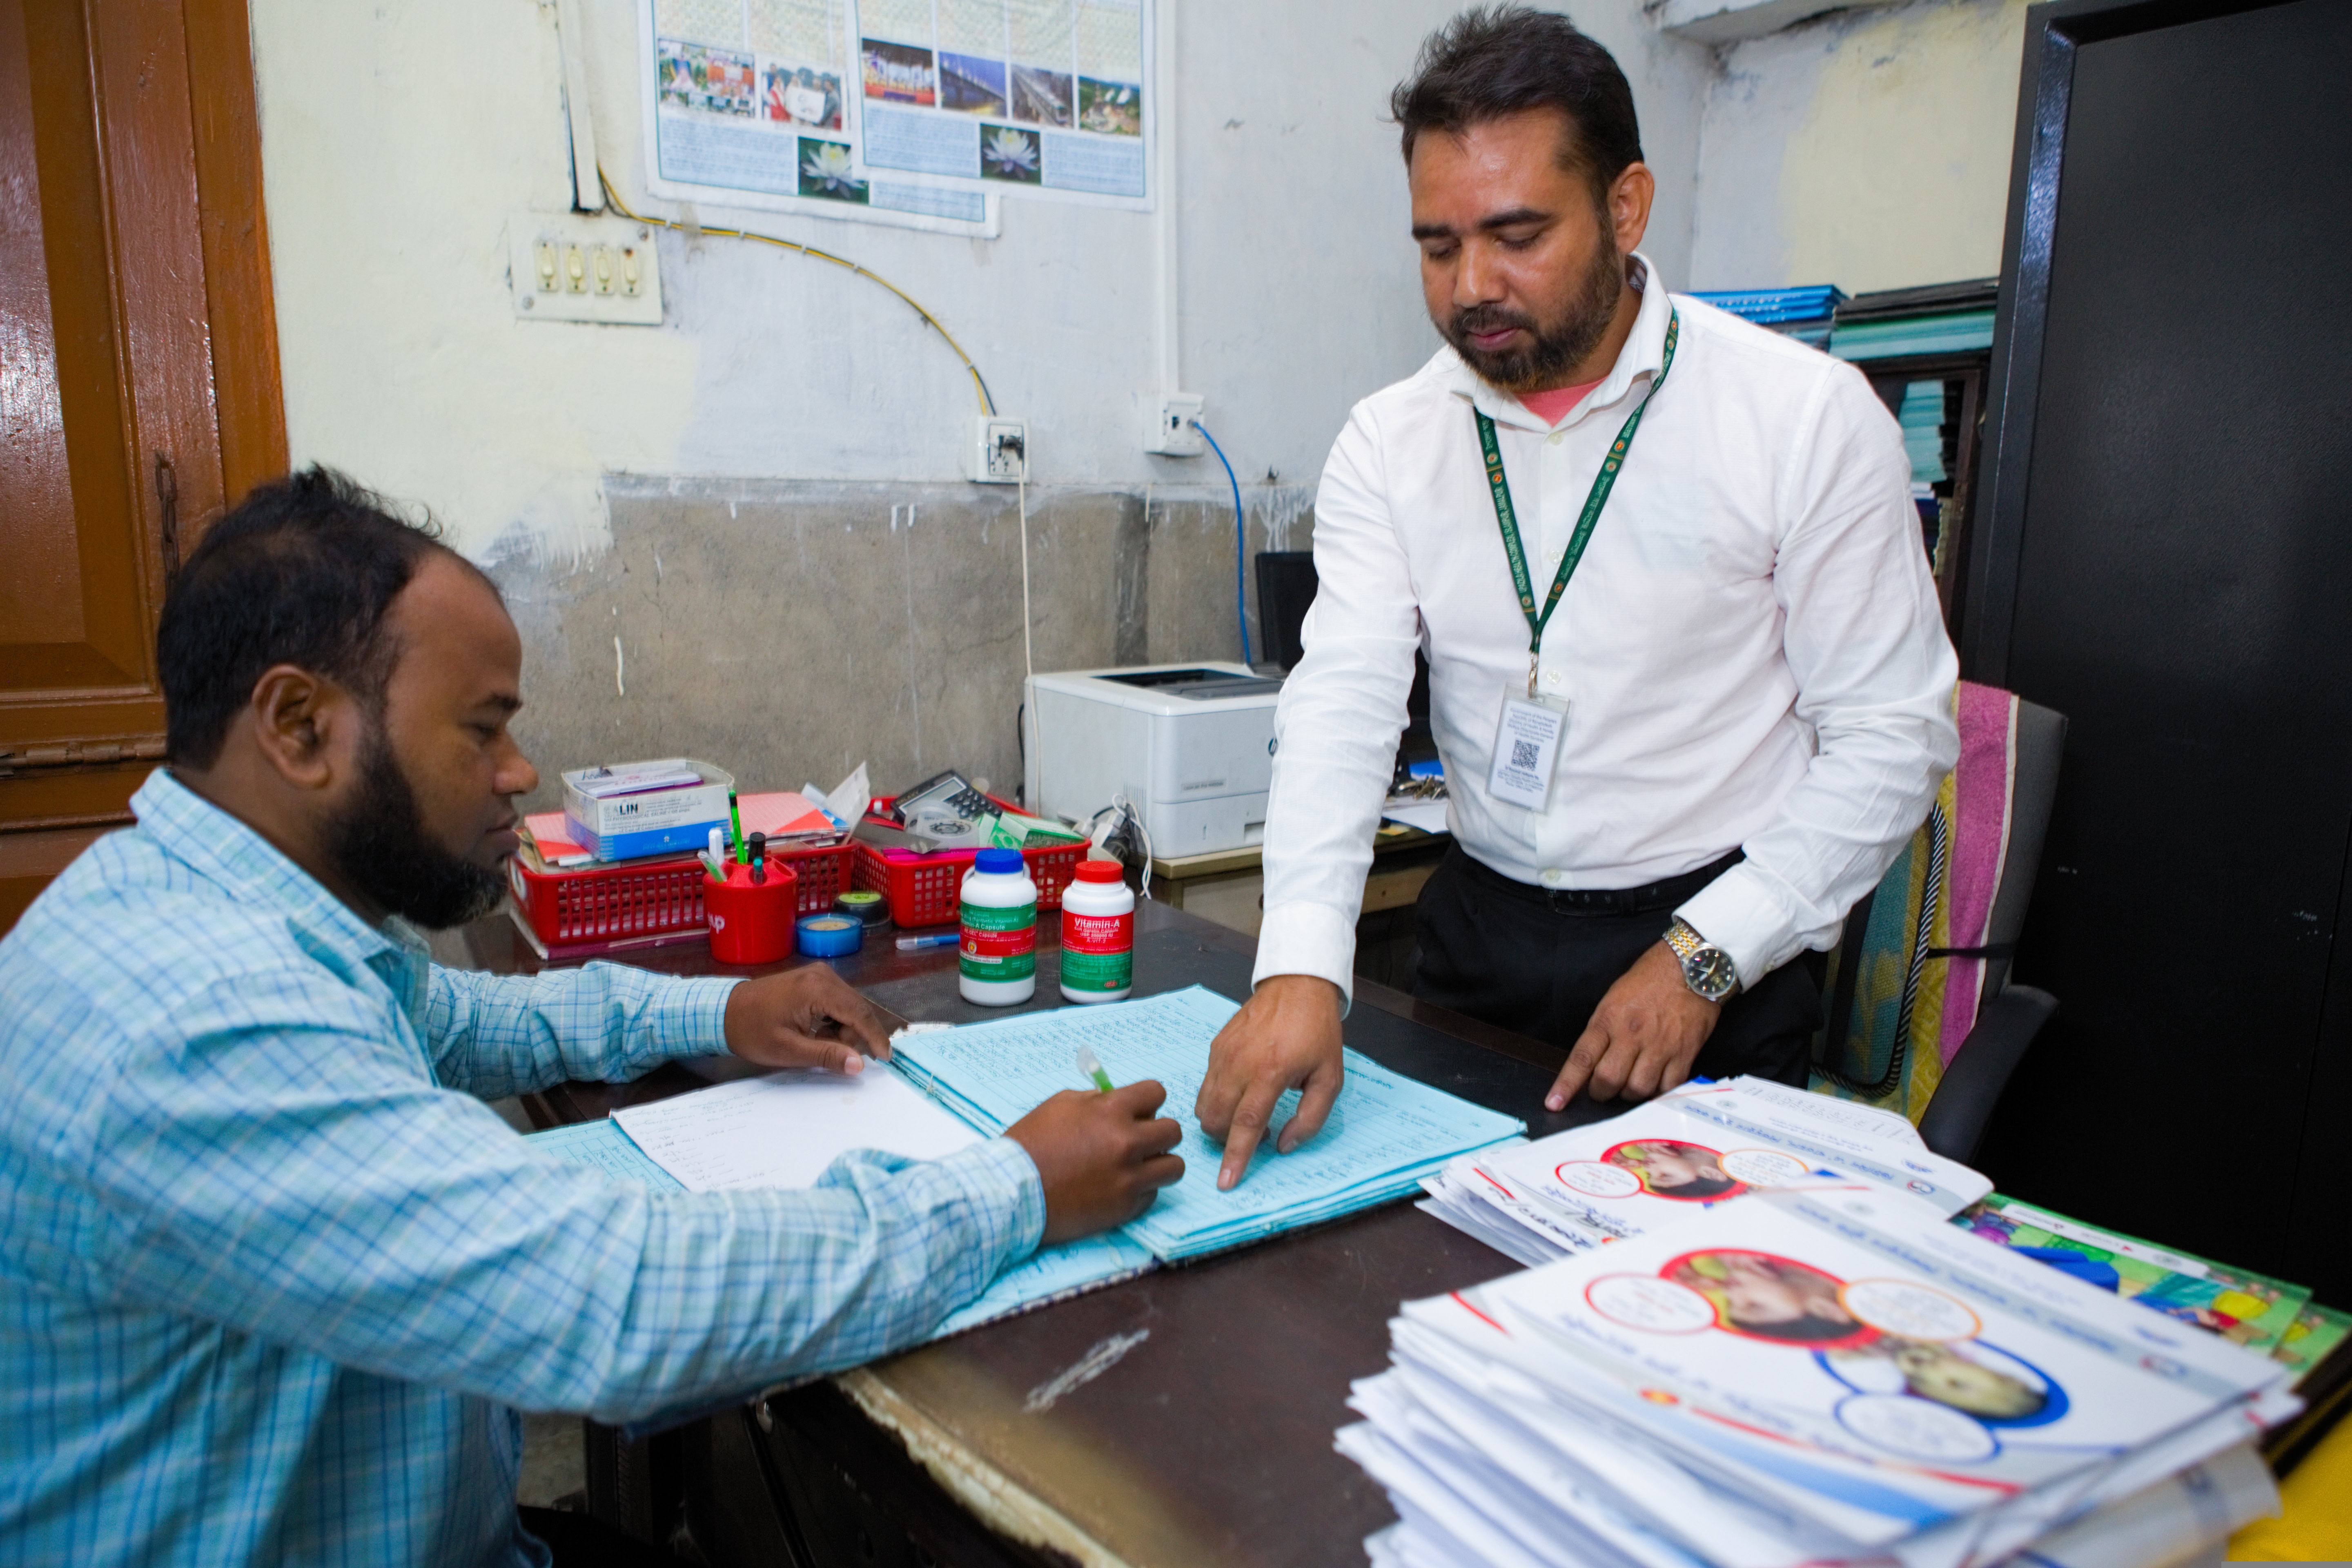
<point>1688,670</point>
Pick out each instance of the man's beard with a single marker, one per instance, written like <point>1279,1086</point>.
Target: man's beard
<point>379,844</point>
<point>1567,343</point>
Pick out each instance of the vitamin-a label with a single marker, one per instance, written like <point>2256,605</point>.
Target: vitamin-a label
<point>1098,952</point>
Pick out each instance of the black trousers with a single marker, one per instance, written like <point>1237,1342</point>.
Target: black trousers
<point>1539,963</point>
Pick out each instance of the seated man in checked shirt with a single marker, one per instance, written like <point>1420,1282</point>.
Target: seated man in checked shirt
<point>273,1279</point>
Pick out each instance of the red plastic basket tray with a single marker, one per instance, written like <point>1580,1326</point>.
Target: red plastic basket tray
<point>924,891</point>
<point>652,898</point>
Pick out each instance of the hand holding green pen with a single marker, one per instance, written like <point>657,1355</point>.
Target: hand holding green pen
<point>1090,1064</point>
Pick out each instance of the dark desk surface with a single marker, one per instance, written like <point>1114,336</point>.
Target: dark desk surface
<point>1210,1440</point>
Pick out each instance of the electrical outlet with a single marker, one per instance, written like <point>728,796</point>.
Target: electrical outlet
<point>579,267</point>
<point>1000,450</point>
<point>1168,424</point>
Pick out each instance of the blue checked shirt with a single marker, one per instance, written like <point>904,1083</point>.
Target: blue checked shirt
<point>274,1280</point>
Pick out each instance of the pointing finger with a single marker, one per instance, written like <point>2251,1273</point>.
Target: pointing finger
<point>1581,1059</point>
<point>1248,1126</point>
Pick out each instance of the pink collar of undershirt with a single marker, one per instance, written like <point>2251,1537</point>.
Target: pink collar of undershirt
<point>1557,405</point>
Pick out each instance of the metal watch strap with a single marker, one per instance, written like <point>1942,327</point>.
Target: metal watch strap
<point>1687,945</point>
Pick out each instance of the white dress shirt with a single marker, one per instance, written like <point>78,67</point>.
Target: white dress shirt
<point>1752,653</point>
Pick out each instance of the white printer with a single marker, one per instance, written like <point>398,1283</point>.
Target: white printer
<point>1189,745</point>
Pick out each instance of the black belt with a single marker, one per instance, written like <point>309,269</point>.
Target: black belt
<point>1647,899</point>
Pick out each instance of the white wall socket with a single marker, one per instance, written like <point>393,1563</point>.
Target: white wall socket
<point>1000,450</point>
<point>1168,424</point>
<point>579,267</point>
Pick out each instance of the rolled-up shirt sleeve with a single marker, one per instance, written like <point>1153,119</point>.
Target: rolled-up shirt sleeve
<point>1874,672</point>
<point>496,1035</point>
<point>1336,728</point>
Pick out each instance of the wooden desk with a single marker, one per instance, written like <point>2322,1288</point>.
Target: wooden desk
<point>1207,1441</point>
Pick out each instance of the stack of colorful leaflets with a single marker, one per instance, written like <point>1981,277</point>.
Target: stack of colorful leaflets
<point>1702,1144</point>
<point>1815,1376</point>
<point>2312,1338</point>
<point>1385,1133</point>
<point>2245,1308</point>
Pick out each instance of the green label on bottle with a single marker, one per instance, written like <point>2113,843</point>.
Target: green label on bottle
<point>999,944</point>
<point>1097,971</point>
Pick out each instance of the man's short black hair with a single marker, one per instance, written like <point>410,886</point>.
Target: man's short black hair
<point>1494,60</point>
<point>300,573</point>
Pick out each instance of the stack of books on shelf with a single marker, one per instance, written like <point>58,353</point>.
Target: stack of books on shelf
<point>1805,313</point>
<point>1942,317</point>
<point>1923,431</point>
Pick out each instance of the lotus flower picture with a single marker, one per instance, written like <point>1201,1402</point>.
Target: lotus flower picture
<point>1006,154</point>
<point>827,171</point>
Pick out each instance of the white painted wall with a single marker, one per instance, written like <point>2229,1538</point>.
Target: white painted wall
<point>397,138</point>
<point>1868,149</point>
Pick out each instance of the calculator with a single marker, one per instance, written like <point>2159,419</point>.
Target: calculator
<point>951,790</point>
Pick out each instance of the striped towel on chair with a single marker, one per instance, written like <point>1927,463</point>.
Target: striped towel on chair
<point>1905,984</point>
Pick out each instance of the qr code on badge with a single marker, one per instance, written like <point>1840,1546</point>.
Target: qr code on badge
<point>1523,754</point>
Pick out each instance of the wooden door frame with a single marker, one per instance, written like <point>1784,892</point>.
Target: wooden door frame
<point>177,117</point>
<point>240,302</point>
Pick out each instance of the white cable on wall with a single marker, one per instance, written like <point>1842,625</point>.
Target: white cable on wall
<point>1167,235</point>
<point>1029,657</point>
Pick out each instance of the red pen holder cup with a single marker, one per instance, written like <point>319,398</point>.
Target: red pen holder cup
<point>751,923</point>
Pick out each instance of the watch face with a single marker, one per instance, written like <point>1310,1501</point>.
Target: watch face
<point>1711,974</point>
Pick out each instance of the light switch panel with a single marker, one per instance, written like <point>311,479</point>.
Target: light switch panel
<point>579,267</point>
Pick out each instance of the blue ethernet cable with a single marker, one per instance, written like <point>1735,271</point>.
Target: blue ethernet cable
<point>1241,543</point>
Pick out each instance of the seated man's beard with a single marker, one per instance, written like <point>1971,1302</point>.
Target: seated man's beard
<point>1557,350</point>
<point>379,843</point>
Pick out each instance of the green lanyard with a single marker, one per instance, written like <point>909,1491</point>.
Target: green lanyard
<point>1603,483</point>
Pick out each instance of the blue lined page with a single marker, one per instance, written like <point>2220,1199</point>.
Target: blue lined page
<point>1384,1133</point>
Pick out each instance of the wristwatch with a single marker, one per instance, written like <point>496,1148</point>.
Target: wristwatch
<point>1706,970</point>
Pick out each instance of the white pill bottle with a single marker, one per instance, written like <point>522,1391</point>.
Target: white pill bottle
<point>998,966</point>
<point>1098,934</point>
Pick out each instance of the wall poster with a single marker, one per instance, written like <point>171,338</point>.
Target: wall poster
<point>917,112</point>
<point>754,103</point>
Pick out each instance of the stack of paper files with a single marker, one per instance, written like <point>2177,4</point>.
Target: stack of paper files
<point>1809,1377</point>
<point>1703,1144</point>
<point>1385,1133</point>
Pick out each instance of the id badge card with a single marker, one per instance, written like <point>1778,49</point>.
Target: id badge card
<point>1527,744</point>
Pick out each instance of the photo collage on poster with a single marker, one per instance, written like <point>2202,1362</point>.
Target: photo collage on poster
<point>1042,96</point>
<point>758,98</point>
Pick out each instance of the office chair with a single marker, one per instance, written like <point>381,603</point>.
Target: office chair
<point>1871,1051</point>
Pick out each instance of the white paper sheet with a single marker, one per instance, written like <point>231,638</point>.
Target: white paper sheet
<point>1429,815</point>
<point>783,1130</point>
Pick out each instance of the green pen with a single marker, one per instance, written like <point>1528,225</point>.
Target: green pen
<point>1093,1068</point>
<point>735,816</point>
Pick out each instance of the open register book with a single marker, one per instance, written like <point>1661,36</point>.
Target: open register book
<point>956,1087</point>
